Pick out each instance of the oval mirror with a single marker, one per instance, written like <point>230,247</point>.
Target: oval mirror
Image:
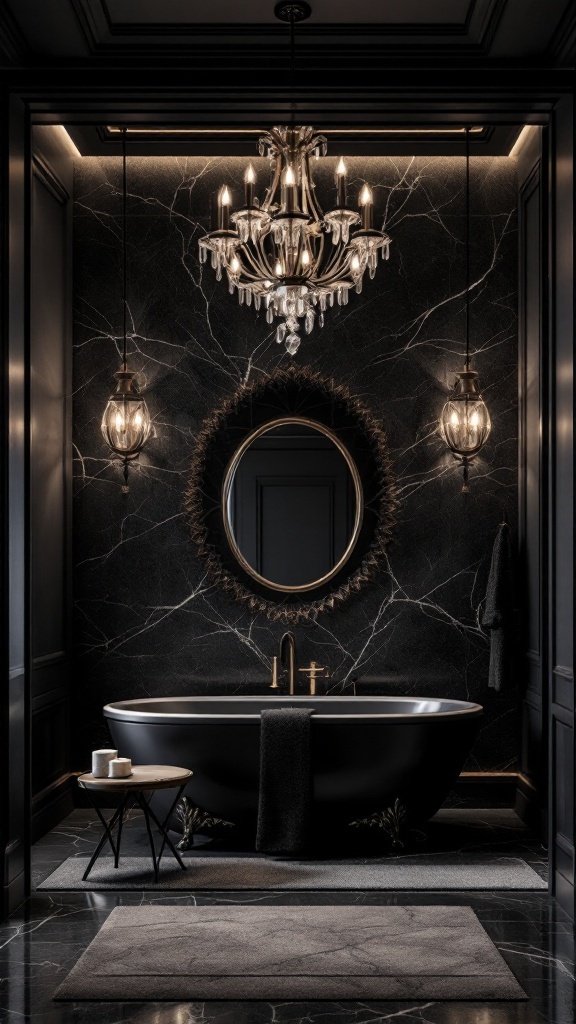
<point>291,501</point>
<point>292,504</point>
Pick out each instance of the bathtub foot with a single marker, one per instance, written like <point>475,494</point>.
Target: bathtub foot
<point>392,821</point>
<point>194,819</point>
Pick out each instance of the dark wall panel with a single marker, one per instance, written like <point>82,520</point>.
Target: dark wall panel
<point>560,663</point>
<point>14,706</point>
<point>50,475</point>
<point>48,417</point>
<point>532,376</point>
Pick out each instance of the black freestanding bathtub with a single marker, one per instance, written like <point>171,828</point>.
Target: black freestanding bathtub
<point>366,751</point>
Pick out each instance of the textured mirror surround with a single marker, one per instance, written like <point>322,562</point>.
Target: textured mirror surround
<point>360,445</point>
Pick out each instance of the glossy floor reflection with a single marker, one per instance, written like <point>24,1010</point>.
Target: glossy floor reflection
<point>43,940</point>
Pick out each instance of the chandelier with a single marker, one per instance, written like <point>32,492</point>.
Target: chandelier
<point>286,254</point>
<point>465,421</point>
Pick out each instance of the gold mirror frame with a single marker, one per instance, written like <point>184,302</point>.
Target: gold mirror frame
<point>203,499</point>
<point>264,428</point>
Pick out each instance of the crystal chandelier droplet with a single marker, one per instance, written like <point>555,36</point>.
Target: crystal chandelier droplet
<point>286,253</point>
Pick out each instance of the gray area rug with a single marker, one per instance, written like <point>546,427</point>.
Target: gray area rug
<point>444,872</point>
<point>160,952</point>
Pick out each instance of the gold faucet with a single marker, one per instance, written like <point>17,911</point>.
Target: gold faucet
<point>274,683</point>
<point>313,671</point>
<point>287,641</point>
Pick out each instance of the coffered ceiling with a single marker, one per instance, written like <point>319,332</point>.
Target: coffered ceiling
<point>97,30</point>
<point>362,67</point>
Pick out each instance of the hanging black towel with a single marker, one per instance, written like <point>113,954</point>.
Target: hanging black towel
<point>500,614</point>
<point>285,797</point>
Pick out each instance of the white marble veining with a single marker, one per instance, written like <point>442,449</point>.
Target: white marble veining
<point>148,621</point>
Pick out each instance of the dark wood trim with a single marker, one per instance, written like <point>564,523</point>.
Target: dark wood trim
<point>15,625</point>
<point>46,174</point>
<point>487,789</point>
<point>52,178</point>
<point>530,797</point>
<point>560,497</point>
<point>530,805</point>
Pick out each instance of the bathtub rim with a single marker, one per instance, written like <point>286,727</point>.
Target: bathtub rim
<point>123,711</point>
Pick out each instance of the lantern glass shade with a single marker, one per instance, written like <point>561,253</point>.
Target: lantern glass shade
<point>126,421</point>
<point>465,418</point>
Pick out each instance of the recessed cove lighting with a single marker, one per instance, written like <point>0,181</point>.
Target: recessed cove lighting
<point>155,130</point>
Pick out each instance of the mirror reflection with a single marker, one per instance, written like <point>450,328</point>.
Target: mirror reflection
<point>292,504</point>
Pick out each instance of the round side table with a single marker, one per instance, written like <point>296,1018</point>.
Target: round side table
<point>145,778</point>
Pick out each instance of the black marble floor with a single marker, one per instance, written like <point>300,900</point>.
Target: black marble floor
<point>493,833</point>
<point>43,940</point>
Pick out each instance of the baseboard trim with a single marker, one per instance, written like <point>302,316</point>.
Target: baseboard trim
<point>52,804</point>
<point>486,789</point>
<point>528,806</point>
<point>13,895</point>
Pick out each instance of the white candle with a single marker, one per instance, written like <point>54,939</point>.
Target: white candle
<point>365,201</point>
<point>100,761</point>
<point>120,768</point>
<point>341,182</point>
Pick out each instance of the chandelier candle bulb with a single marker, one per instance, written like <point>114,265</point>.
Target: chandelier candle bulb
<point>225,202</point>
<point>289,200</point>
<point>341,183</point>
<point>100,761</point>
<point>365,201</point>
<point>120,768</point>
<point>249,182</point>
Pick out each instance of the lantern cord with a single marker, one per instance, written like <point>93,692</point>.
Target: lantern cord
<point>124,259</point>
<point>467,244</point>
<point>125,487</point>
<point>465,475</point>
<point>292,66</point>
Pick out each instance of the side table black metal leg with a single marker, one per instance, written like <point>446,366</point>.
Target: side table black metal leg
<point>107,837</point>
<point>123,807</point>
<point>146,809</point>
<point>166,841</point>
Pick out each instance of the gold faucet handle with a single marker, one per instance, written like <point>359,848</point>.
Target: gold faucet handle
<point>313,670</point>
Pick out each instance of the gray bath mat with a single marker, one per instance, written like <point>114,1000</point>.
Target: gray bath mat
<point>159,952</point>
<point>444,871</point>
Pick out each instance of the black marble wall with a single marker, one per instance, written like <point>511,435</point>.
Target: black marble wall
<point>147,621</point>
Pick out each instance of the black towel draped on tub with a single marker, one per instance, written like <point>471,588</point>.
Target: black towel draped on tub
<point>285,797</point>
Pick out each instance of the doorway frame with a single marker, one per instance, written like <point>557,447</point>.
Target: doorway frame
<point>72,96</point>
